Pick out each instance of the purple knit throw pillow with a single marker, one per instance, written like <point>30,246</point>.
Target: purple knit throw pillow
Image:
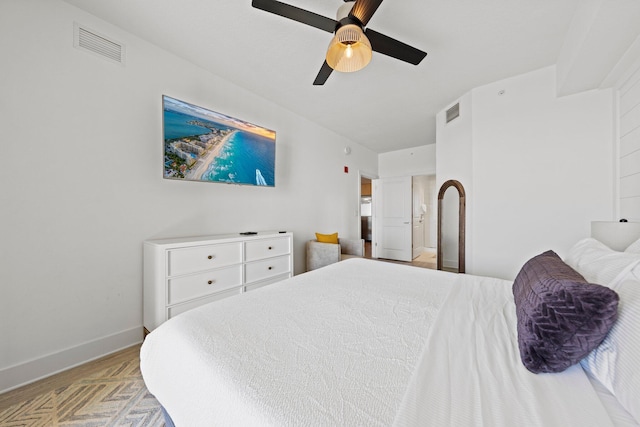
<point>561,317</point>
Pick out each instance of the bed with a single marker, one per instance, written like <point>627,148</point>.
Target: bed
<point>368,343</point>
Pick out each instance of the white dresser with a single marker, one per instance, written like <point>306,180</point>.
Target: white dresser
<point>184,273</point>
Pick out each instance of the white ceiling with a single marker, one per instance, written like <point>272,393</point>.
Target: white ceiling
<point>389,105</point>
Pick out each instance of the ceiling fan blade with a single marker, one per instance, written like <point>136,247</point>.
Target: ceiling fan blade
<point>364,10</point>
<point>394,48</point>
<point>297,14</point>
<point>323,75</point>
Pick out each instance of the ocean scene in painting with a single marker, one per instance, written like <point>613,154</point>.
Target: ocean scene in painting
<point>202,145</point>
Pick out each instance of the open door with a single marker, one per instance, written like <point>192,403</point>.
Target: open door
<point>393,213</point>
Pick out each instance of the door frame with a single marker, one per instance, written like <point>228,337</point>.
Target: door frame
<point>371,176</point>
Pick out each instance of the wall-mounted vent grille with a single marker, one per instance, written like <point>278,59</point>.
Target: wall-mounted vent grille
<point>90,41</point>
<point>453,112</point>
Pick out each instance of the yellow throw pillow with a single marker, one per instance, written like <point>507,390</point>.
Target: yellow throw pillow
<point>327,238</point>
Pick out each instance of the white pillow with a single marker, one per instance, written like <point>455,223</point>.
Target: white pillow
<point>600,264</point>
<point>634,248</point>
<point>615,362</point>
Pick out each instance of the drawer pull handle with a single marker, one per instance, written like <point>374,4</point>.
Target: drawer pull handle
<point>270,247</point>
<point>211,257</point>
<point>270,268</point>
<point>210,282</point>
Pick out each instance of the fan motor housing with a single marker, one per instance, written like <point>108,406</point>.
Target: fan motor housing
<point>348,20</point>
<point>344,10</point>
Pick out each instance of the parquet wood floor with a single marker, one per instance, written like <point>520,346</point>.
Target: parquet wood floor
<point>106,392</point>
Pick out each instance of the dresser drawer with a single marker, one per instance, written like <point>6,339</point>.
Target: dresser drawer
<point>259,270</point>
<point>199,258</point>
<point>196,285</point>
<point>181,308</point>
<point>269,281</point>
<point>266,248</point>
<point>177,271</point>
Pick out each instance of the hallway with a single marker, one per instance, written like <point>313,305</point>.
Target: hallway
<point>424,260</point>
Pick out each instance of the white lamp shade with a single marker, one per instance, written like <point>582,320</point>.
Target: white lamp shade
<point>349,50</point>
<point>616,235</point>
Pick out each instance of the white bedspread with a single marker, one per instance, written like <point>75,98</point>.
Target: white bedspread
<point>470,373</point>
<point>360,343</point>
<point>336,346</point>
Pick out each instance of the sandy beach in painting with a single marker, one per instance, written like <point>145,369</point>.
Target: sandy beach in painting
<point>203,162</point>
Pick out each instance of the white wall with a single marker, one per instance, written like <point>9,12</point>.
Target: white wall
<point>611,29</point>
<point>81,184</point>
<point>454,161</point>
<point>542,169</point>
<point>629,152</point>
<point>608,27</point>
<point>424,192</point>
<point>408,162</point>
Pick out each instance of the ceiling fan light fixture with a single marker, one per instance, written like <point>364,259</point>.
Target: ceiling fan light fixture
<point>349,50</point>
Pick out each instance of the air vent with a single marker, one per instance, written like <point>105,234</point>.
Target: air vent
<point>453,112</point>
<point>91,41</point>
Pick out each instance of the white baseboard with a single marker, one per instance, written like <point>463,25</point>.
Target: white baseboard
<point>33,370</point>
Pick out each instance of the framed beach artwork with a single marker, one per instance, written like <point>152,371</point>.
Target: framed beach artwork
<point>202,145</point>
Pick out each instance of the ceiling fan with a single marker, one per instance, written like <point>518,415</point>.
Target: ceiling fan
<point>350,49</point>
